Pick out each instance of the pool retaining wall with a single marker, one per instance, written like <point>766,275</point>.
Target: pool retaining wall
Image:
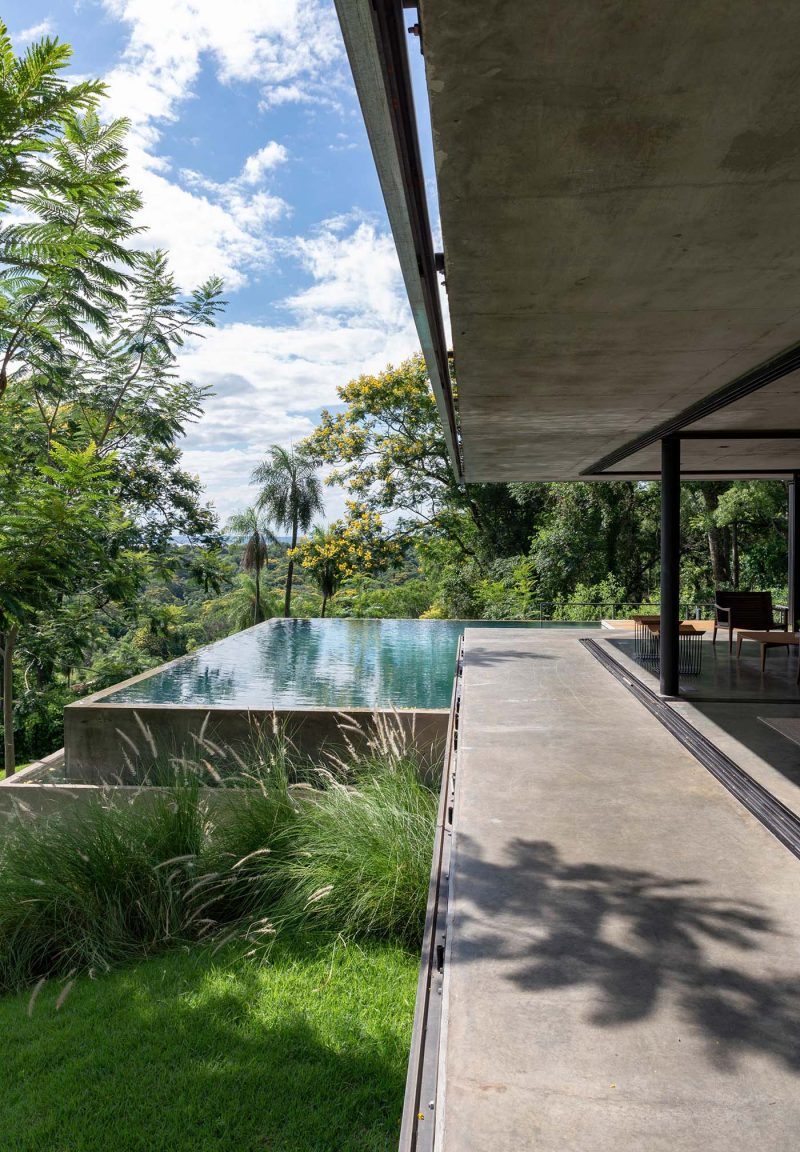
<point>36,801</point>
<point>107,743</point>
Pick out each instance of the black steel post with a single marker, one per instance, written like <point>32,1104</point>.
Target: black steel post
<point>670,563</point>
<point>794,551</point>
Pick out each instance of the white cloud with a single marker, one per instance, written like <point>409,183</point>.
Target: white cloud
<point>285,94</point>
<point>353,272</point>
<point>288,47</point>
<point>291,49</point>
<point>34,32</point>
<point>215,227</point>
<point>342,143</point>
<point>257,165</point>
<point>270,380</point>
<point>205,237</point>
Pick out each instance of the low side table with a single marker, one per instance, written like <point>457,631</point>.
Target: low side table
<point>690,647</point>
<point>645,645</point>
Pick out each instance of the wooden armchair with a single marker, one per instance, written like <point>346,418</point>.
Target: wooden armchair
<point>750,611</point>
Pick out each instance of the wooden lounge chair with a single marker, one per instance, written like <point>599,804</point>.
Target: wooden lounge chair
<point>752,611</point>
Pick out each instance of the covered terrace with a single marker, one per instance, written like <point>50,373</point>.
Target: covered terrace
<point>617,186</point>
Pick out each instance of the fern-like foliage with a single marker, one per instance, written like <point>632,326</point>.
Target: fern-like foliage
<point>65,265</point>
<point>35,101</point>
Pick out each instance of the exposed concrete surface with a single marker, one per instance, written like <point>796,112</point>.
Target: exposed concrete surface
<point>766,755</point>
<point>114,743</point>
<point>624,960</point>
<point>615,183</point>
<point>726,703</point>
<point>728,456</point>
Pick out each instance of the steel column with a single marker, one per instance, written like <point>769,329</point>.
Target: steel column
<point>794,550</point>
<point>670,563</point>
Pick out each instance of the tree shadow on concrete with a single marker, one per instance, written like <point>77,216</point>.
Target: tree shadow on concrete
<point>637,939</point>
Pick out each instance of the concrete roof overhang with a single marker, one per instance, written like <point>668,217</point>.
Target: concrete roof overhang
<point>619,187</point>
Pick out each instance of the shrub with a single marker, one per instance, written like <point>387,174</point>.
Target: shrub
<point>89,893</point>
<point>254,832</point>
<point>362,854</point>
<point>341,847</point>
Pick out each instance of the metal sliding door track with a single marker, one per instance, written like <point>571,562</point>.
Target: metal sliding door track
<point>776,817</point>
<point>419,1121</point>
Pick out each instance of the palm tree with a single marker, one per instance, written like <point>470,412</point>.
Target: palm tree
<point>325,571</point>
<point>250,529</point>
<point>291,495</point>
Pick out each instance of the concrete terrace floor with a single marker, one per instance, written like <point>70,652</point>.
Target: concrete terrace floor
<point>623,957</point>
<point>729,702</point>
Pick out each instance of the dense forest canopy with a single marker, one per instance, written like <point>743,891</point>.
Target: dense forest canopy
<point>112,560</point>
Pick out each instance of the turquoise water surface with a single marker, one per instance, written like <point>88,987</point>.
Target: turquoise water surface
<point>317,664</point>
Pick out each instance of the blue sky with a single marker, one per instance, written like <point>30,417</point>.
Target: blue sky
<point>248,146</point>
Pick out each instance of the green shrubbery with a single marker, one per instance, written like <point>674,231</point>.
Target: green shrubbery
<point>340,848</point>
<point>408,600</point>
<point>360,855</point>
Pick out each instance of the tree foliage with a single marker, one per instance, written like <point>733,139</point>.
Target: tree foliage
<point>354,546</point>
<point>387,450</point>
<point>66,264</point>
<point>64,534</point>
<point>92,407</point>
<point>35,103</point>
<point>249,528</point>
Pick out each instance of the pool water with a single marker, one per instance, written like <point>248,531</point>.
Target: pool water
<point>318,664</point>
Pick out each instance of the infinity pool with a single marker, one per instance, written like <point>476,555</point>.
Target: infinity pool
<point>317,664</point>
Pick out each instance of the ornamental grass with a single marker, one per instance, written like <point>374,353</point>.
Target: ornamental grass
<point>341,847</point>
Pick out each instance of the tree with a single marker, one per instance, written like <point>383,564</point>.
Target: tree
<point>66,265</point>
<point>250,530</point>
<point>753,515</point>
<point>35,102</point>
<point>734,535</point>
<point>321,555</point>
<point>387,450</point>
<point>291,496</point>
<point>90,329</point>
<point>63,535</point>
<point>586,533</point>
<point>89,334</point>
<point>347,548</point>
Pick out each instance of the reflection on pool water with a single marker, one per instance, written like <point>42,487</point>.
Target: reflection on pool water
<point>315,663</point>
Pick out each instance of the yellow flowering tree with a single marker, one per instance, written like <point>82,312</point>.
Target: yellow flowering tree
<point>386,446</point>
<point>354,546</point>
<point>387,451</point>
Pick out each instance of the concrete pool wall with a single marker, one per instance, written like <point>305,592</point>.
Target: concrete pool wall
<point>106,742</point>
<point>111,741</point>
<point>39,801</point>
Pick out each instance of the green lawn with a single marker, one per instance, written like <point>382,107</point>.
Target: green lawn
<point>306,1053</point>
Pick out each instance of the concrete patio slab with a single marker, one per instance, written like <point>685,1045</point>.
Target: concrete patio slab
<point>723,678</point>
<point>727,705</point>
<point>623,963</point>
